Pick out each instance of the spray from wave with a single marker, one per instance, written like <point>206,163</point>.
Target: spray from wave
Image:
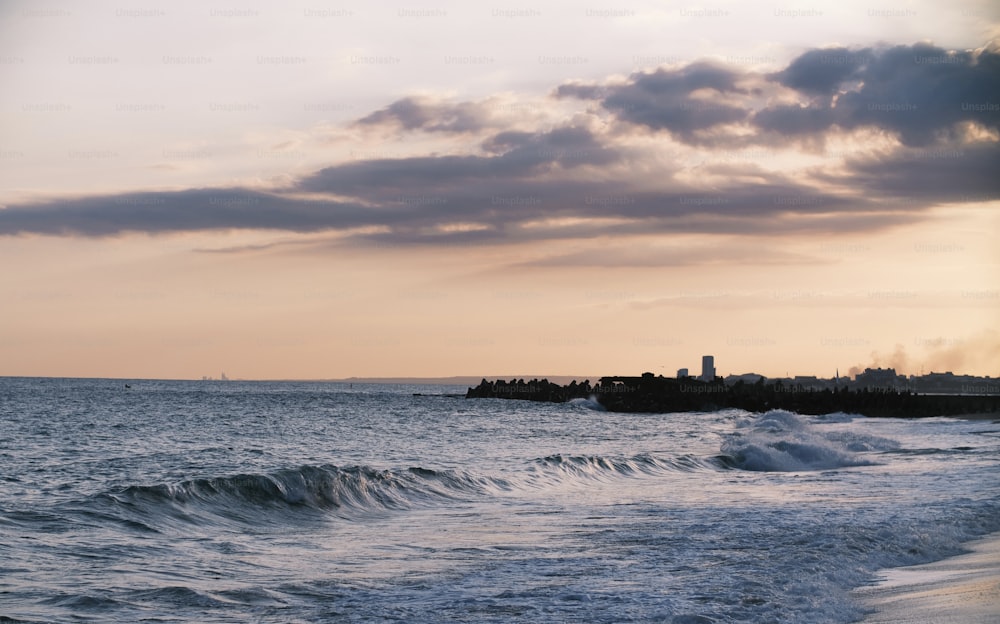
<point>781,441</point>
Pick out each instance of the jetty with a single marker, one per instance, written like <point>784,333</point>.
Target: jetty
<point>658,394</point>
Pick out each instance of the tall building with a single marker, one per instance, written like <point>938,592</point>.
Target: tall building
<point>707,368</point>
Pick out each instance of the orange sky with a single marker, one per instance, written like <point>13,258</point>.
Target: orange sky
<point>262,198</point>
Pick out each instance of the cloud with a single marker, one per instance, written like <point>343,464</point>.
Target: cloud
<point>177,211</point>
<point>682,101</point>
<point>416,113</point>
<point>949,173</point>
<point>583,177</point>
<point>823,71</point>
<point>677,256</point>
<point>920,93</point>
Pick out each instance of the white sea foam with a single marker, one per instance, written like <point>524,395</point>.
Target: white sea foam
<point>781,441</point>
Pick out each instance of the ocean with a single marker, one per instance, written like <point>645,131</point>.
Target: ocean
<point>176,501</point>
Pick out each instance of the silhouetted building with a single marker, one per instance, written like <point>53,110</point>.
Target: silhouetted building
<point>682,373</point>
<point>879,378</point>
<point>707,368</point>
<point>747,378</point>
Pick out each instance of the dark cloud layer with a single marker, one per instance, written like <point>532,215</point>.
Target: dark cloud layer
<point>667,99</point>
<point>918,93</point>
<point>944,174</point>
<point>582,180</point>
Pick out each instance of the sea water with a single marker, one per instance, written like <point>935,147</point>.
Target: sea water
<point>321,502</point>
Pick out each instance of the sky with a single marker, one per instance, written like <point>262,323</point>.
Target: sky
<point>319,189</point>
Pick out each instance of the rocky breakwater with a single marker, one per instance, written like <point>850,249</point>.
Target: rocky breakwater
<point>663,395</point>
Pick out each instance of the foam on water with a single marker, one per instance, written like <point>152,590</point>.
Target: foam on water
<point>781,441</point>
<point>590,403</point>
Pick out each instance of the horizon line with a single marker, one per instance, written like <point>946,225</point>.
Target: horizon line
<point>443,380</point>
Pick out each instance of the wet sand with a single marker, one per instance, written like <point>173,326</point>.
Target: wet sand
<point>960,590</point>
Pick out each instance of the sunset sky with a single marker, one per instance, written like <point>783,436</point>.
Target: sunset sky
<point>320,189</point>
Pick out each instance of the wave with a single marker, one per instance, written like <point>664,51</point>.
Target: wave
<point>344,490</point>
<point>780,441</point>
<point>590,403</point>
<point>602,468</point>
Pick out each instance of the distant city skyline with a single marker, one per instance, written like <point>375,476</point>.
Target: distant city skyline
<point>319,192</point>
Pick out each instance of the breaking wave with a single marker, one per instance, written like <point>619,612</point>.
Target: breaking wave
<point>781,441</point>
<point>590,403</point>
<point>603,468</point>
<point>348,491</point>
